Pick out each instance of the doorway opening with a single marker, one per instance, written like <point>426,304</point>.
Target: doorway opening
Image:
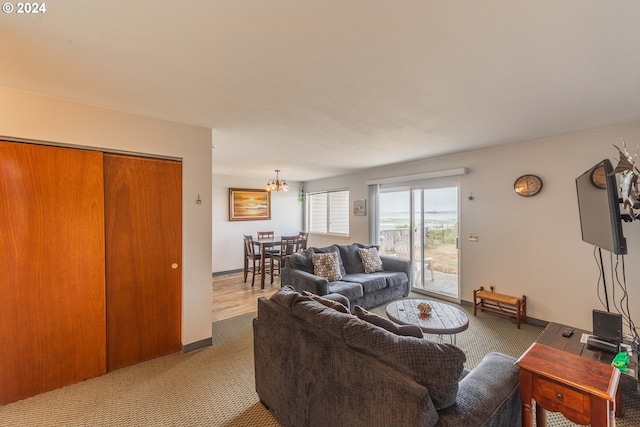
<point>422,224</point>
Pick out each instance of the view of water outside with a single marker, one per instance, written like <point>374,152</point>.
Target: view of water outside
<point>441,207</point>
<point>441,224</point>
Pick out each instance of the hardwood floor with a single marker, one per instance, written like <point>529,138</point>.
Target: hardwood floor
<point>232,297</point>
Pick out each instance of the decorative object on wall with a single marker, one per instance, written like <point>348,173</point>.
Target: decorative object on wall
<point>360,207</point>
<point>527,185</point>
<point>628,179</point>
<point>277,184</point>
<point>598,177</point>
<point>301,194</point>
<point>249,205</point>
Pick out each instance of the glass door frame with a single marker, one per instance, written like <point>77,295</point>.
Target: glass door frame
<point>418,276</point>
<point>416,221</point>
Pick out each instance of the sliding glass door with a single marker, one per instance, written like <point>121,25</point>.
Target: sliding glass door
<point>421,224</point>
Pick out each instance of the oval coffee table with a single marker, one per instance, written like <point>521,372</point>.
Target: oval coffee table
<point>444,319</point>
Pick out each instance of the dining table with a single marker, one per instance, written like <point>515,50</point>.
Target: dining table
<point>263,245</point>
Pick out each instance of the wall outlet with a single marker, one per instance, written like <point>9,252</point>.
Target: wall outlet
<point>493,288</point>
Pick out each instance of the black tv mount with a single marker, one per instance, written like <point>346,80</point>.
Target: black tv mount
<point>627,217</point>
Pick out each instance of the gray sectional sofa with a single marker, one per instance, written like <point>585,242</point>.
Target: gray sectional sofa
<point>364,289</point>
<point>316,366</point>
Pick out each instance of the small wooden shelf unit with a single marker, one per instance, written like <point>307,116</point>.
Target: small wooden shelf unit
<point>506,305</point>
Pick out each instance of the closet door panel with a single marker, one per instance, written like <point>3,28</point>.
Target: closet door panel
<point>52,289</point>
<point>143,214</point>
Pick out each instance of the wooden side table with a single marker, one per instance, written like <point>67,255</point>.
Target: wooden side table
<point>552,337</point>
<point>582,390</point>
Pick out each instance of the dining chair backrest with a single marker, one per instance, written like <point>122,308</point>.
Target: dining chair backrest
<point>248,247</point>
<point>266,234</point>
<point>302,241</point>
<point>288,245</point>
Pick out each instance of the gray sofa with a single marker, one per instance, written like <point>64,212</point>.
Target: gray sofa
<point>317,366</point>
<point>364,289</point>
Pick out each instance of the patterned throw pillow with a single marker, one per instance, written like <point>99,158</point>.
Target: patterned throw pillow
<point>370,259</point>
<point>327,266</point>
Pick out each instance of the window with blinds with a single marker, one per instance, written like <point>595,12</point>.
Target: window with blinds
<point>329,212</point>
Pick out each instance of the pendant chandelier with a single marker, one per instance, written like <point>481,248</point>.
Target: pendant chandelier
<point>277,184</point>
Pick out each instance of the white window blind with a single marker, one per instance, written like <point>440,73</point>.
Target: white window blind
<point>329,212</point>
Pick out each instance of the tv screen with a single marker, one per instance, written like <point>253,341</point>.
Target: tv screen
<point>599,208</point>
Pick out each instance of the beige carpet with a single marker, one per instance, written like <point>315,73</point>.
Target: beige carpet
<point>215,386</point>
<point>209,387</point>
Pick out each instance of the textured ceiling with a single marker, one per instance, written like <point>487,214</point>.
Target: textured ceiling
<point>321,88</point>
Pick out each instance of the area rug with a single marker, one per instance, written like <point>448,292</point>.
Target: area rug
<point>215,386</point>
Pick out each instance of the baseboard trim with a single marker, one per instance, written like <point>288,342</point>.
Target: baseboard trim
<point>207,342</point>
<point>220,273</point>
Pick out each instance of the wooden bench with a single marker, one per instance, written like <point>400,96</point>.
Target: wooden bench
<point>506,305</point>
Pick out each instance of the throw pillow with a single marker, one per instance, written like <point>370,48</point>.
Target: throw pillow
<point>327,266</point>
<point>323,317</point>
<point>370,259</point>
<point>327,302</point>
<point>374,319</point>
<point>285,296</point>
<point>436,366</point>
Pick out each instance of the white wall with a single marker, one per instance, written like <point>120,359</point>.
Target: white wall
<point>40,118</point>
<point>286,219</point>
<point>529,246</point>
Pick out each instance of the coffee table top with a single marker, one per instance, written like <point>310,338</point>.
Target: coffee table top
<point>443,319</point>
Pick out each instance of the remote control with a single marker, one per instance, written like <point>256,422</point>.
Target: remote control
<point>567,333</point>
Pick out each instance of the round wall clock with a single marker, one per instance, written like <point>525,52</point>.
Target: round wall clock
<point>598,177</point>
<point>528,185</point>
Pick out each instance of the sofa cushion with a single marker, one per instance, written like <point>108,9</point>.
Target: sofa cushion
<point>351,290</point>
<point>436,366</point>
<point>328,302</point>
<point>302,261</point>
<point>370,259</point>
<point>374,319</point>
<point>327,266</point>
<point>393,278</point>
<point>351,258</point>
<point>285,296</point>
<point>323,317</point>
<point>370,282</point>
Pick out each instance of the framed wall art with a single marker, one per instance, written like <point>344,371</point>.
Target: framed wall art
<point>249,205</point>
<point>360,207</point>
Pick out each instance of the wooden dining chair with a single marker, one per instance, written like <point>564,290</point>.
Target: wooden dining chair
<point>252,260</point>
<point>288,245</point>
<point>302,241</point>
<point>266,234</point>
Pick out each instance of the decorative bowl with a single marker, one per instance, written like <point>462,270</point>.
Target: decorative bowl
<point>424,308</point>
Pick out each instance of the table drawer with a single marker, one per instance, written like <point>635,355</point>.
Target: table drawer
<point>557,397</point>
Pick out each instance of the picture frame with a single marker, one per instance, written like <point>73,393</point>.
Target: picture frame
<point>360,207</point>
<point>247,204</point>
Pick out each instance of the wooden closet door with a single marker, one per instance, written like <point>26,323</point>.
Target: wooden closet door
<point>52,302</point>
<point>143,215</point>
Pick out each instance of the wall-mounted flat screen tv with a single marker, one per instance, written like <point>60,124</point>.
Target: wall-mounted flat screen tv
<point>599,208</point>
